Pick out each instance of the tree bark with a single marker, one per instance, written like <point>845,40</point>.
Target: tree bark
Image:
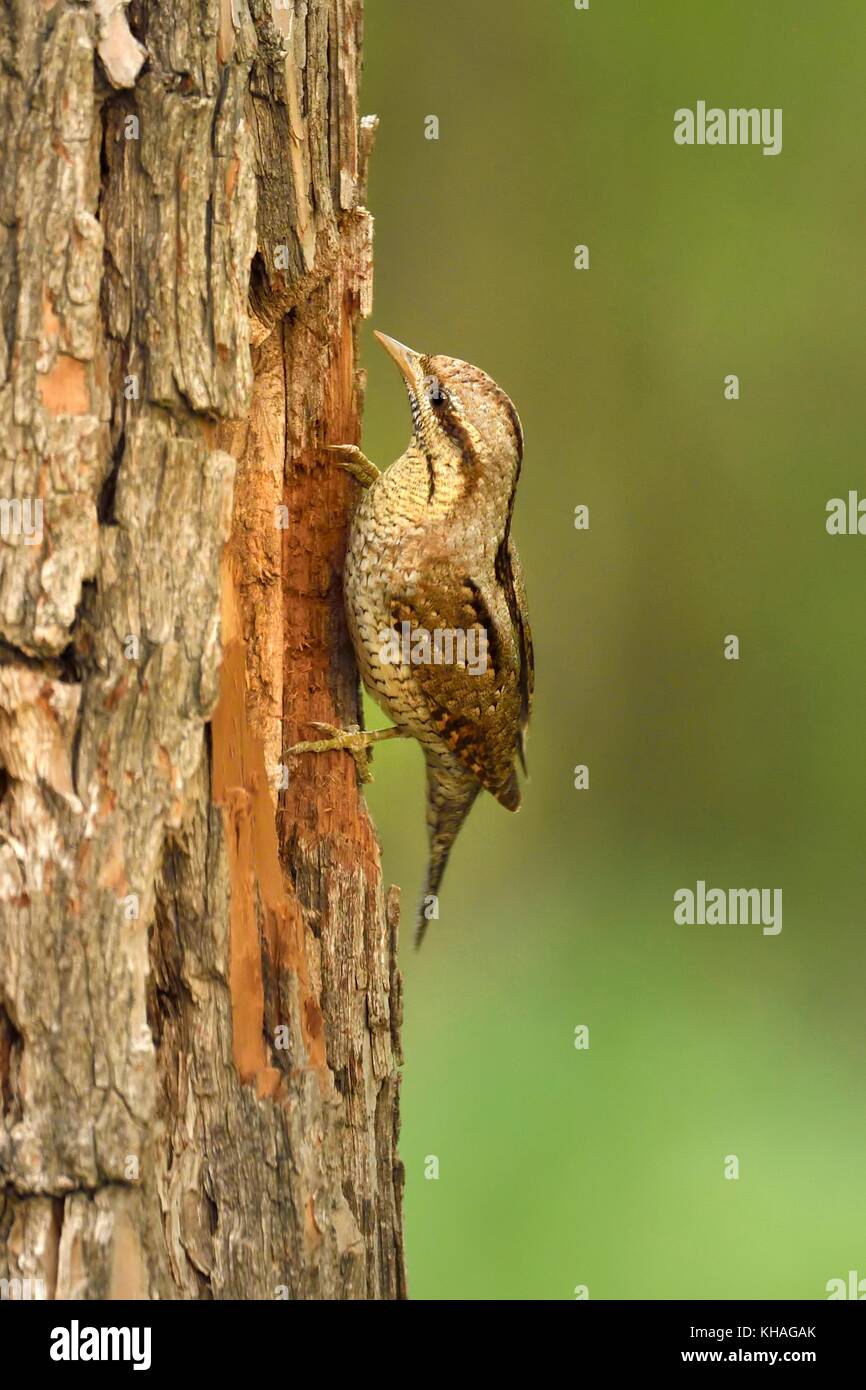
<point>199,1000</point>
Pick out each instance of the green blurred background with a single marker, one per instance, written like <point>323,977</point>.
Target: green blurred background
<point>605,1167</point>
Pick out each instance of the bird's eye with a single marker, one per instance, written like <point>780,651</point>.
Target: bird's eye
<point>435,390</point>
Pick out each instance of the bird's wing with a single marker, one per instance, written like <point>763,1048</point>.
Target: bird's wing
<point>476,712</point>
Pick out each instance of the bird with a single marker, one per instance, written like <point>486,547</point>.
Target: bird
<point>435,597</point>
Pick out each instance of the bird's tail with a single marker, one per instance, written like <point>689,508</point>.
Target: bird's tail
<point>449,801</point>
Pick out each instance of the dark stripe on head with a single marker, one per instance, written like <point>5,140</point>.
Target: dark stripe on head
<point>451,424</point>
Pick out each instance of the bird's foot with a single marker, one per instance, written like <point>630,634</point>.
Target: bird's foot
<point>352,740</point>
<point>350,458</point>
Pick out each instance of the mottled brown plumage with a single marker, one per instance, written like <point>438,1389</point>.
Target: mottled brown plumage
<point>430,547</point>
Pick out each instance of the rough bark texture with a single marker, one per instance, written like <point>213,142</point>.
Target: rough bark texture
<point>199,1002</point>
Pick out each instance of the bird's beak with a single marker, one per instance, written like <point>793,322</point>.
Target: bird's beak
<point>408,361</point>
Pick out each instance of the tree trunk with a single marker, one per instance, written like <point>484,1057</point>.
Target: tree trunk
<point>199,1000</point>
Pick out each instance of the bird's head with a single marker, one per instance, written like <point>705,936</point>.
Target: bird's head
<point>461,420</point>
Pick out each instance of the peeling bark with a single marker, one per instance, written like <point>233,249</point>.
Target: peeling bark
<point>199,1000</point>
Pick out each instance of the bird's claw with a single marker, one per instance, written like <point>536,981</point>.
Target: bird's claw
<point>352,740</point>
<point>350,458</point>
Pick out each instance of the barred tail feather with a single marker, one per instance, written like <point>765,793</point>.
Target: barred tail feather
<point>449,801</point>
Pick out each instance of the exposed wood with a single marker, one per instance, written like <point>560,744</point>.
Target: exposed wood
<point>199,1001</point>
